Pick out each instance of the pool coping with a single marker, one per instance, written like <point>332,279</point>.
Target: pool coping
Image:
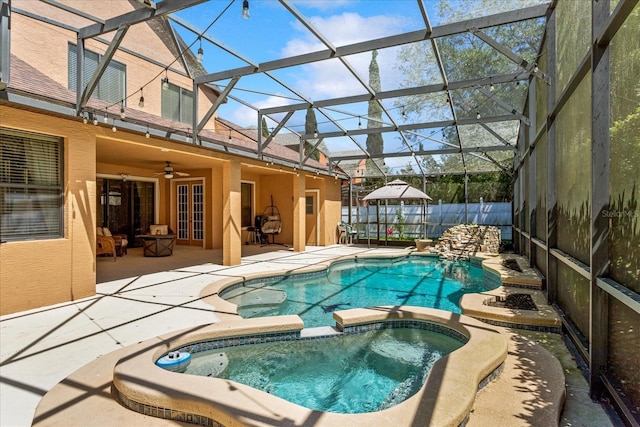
<point>544,319</point>
<point>445,399</point>
<point>528,278</point>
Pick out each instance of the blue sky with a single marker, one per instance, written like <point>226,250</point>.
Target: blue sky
<point>273,33</point>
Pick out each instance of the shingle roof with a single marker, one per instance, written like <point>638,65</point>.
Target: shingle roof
<point>28,81</point>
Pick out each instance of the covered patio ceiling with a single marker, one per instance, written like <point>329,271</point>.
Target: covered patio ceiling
<point>443,83</point>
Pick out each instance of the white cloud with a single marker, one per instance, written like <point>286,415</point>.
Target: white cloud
<point>245,116</point>
<point>328,79</point>
<point>322,4</point>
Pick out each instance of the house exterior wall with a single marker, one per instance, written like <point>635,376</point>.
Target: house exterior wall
<point>45,47</point>
<point>281,188</point>
<point>36,273</point>
<point>43,272</point>
<point>331,209</point>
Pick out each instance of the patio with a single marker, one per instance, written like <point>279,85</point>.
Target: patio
<point>140,298</point>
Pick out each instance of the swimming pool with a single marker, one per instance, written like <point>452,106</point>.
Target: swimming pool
<point>445,398</point>
<point>360,282</point>
<point>348,374</point>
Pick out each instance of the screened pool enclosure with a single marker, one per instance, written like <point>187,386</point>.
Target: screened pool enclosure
<point>529,103</point>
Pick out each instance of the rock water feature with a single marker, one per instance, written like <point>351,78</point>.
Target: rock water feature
<point>461,241</point>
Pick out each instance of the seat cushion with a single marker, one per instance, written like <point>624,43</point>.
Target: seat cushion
<point>159,229</point>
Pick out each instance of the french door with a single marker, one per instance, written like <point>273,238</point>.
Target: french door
<point>312,225</point>
<point>190,213</point>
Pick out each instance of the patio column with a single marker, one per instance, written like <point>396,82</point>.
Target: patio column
<point>231,213</point>
<point>299,230</point>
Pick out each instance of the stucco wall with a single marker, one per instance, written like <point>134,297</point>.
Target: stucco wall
<point>48,53</point>
<point>279,186</point>
<point>331,208</point>
<point>43,272</point>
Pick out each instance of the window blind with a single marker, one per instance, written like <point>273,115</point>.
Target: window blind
<point>31,191</point>
<point>177,104</point>
<point>112,84</point>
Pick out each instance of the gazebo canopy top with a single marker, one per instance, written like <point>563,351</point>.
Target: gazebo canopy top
<point>396,190</point>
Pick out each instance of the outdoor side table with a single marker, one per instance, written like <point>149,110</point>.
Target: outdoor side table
<point>157,245</point>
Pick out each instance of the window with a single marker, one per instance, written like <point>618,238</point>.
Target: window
<point>177,104</point>
<point>31,191</point>
<point>112,85</point>
<point>309,205</point>
<point>246,195</point>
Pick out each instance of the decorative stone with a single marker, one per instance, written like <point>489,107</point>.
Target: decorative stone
<point>464,240</point>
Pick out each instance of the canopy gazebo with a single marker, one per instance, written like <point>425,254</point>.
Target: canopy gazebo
<point>397,190</point>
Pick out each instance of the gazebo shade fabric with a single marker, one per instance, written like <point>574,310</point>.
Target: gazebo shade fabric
<point>396,190</point>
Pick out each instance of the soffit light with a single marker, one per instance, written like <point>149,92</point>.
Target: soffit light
<point>200,56</point>
<point>141,102</point>
<point>165,81</point>
<point>245,9</point>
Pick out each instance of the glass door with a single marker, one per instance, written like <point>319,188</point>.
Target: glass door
<point>190,213</point>
<point>126,207</point>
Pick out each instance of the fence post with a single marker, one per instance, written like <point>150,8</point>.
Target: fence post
<point>440,220</point>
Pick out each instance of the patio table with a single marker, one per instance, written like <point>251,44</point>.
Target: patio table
<point>157,245</point>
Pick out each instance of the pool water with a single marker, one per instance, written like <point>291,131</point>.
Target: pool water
<point>412,280</point>
<point>349,374</point>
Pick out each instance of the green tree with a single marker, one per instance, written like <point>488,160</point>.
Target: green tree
<point>310,128</point>
<point>374,140</point>
<point>466,57</point>
<point>265,129</point>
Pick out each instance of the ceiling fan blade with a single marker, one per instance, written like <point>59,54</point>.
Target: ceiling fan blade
<point>181,173</point>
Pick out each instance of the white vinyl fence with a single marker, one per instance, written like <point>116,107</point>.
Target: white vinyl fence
<point>439,217</point>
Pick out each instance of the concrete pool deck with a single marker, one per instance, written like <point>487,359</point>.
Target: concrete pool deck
<point>74,344</point>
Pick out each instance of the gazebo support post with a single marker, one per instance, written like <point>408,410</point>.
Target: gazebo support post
<point>378,220</point>
<point>386,222</point>
<point>368,233</point>
<point>397,190</point>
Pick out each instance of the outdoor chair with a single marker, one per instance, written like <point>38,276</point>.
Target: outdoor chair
<point>105,245</point>
<point>121,240</point>
<point>346,233</point>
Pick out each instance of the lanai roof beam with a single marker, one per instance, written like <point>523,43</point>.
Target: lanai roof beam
<point>398,93</point>
<point>381,43</point>
<point>135,17</point>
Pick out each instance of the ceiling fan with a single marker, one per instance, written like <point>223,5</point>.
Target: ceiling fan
<point>169,173</point>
